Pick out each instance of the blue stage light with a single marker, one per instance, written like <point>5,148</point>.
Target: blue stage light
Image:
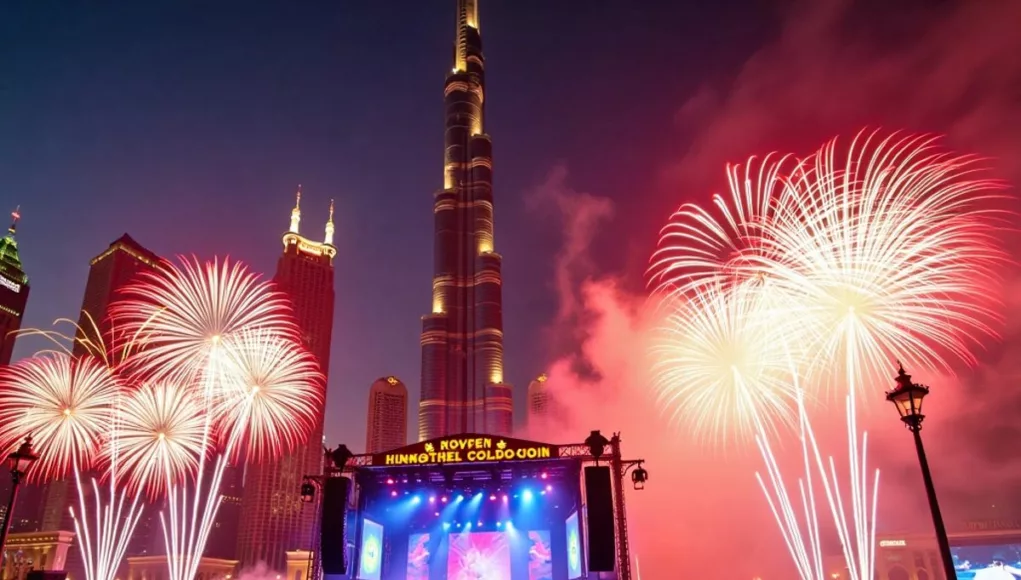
<point>480,524</point>
<point>416,500</point>
<point>460,497</point>
<point>510,525</point>
<point>527,495</point>
<point>499,524</point>
<point>446,525</point>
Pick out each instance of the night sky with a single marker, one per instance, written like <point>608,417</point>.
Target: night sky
<point>189,126</point>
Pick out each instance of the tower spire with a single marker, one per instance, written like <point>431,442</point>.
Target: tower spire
<point>296,212</point>
<point>329,227</point>
<point>15,216</point>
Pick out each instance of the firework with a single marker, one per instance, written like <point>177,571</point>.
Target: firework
<point>721,246</point>
<point>271,399</point>
<point>718,363</point>
<point>65,403</point>
<point>206,326</point>
<point>888,252</point>
<point>179,314</point>
<point>159,439</point>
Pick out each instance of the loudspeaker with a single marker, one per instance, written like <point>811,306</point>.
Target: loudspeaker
<point>333,526</point>
<point>602,541</point>
<point>46,575</point>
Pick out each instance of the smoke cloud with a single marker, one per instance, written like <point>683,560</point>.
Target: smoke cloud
<point>948,67</point>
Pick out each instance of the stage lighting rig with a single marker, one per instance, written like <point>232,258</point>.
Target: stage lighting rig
<point>639,476</point>
<point>308,491</point>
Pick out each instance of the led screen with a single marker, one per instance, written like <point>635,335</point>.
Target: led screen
<point>573,547</point>
<point>479,556</point>
<point>370,564</point>
<point>418,557</point>
<point>987,562</point>
<point>540,556</point>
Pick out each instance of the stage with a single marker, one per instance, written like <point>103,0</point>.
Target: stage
<point>478,507</point>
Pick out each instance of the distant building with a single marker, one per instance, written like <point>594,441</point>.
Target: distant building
<point>272,519</point>
<point>387,423</point>
<point>13,291</point>
<point>109,272</point>
<point>35,551</point>
<point>155,568</point>
<point>539,403</point>
<point>462,387</point>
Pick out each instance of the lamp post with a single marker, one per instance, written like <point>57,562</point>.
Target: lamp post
<point>20,462</point>
<point>907,397</point>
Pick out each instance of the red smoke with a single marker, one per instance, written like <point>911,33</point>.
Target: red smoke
<point>952,69</point>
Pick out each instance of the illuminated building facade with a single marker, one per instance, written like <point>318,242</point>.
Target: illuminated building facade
<point>36,551</point>
<point>462,388</point>
<point>109,272</point>
<point>538,400</point>
<point>272,519</point>
<point>13,291</point>
<point>387,423</point>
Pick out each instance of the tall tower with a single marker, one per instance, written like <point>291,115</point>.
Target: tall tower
<point>272,519</point>
<point>13,291</point>
<point>387,423</point>
<point>463,389</point>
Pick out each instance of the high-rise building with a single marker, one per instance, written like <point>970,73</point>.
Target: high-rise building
<point>387,424</point>
<point>109,272</point>
<point>538,400</point>
<point>462,388</point>
<point>272,519</point>
<point>13,291</point>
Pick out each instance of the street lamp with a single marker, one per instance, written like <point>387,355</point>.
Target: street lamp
<point>19,462</point>
<point>908,397</point>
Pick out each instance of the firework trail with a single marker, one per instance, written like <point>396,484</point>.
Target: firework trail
<point>888,253</point>
<point>207,325</point>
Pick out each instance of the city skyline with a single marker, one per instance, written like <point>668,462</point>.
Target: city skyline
<point>205,206</point>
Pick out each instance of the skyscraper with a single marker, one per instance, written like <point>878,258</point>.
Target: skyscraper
<point>538,400</point>
<point>272,519</point>
<point>387,423</point>
<point>13,291</point>
<point>462,388</point>
<point>109,272</point>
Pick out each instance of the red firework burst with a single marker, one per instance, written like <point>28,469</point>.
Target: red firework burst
<point>179,314</point>
<point>65,403</point>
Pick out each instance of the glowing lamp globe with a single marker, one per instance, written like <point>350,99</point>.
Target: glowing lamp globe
<point>908,397</point>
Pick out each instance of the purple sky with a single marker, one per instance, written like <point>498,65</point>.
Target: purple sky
<point>189,125</point>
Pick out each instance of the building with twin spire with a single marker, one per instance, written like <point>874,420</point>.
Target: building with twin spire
<point>462,387</point>
<point>272,520</point>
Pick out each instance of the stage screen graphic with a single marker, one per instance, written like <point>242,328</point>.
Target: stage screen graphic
<point>540,555</point>
<point>370,564</point>
<point>418,557</point>
<point>573,547</point>
<point>987,561</point>
<point>479,556</point>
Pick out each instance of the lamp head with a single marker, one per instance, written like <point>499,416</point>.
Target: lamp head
<point>907,397</point>
<point>21,460</point>
<point>639,476</point>
<point>308,492</point>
